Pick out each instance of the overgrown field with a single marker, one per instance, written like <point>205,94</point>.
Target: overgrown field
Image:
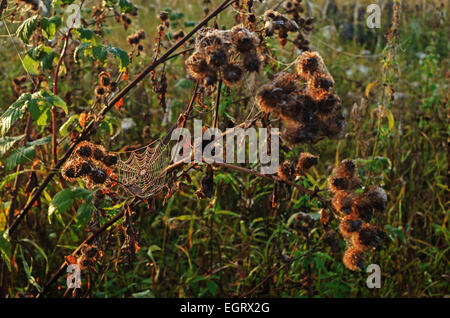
<point>215,230</point>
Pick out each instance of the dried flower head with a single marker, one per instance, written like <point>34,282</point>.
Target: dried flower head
<point>342,202</point>
<point>286,171</point>
<point>353,259</point>
<point>306,161</point>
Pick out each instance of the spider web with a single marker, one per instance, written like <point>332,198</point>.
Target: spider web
<point>143,173</point>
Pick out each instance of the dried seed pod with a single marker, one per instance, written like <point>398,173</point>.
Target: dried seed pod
<point>98,176</point>
<point>349,226</point>
<point>98,153</point>
<point>268,98</point>
<point>69,172</point>
<point>100,91</point>
<point>362,209</point>
<point>286,81</point>
<point>342,202</point>
<point>328,103</point>
<point>333,125</point>
<point>83,168</point>
<point>353,259</point>
<point>299,133</point>
<point>251,62</point>
<point>243,40</point>
<point>286,171</point>
<point>377,198</point>
<point>337,183</point>
<point>346,168</point>
<point>232,74</point>
<point>306,161</point>
<point>110,160</point>
<point>217,57</point>
<point>163,16</point>
<point>366,237</point>
<point>311,64</point>
<point>84,150</point>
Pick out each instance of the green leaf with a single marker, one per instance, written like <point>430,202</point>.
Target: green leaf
<point>13,113</point>
<point>31,66</point>
<point>50,26</point>
<point>18,156</point>
<point>54,100</point>
<point>61,202</point>
<point>80,49</point>
<point>121,55</point>
<point>125,6</point>
<point>26,153</point>
<point>63,130</point>
<point>100,53</point>
<point>7,142</point>
<point>27,28</point>
<point>83,34</point>
<point>84,213</point>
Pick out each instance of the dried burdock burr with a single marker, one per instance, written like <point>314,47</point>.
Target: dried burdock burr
<point>243,40</point>
<point>268,98</point>
<point>300,133</point>
<point>286,171</point>
<point>98,153</point>
<point>337,183</point>
<point>100,91</point>
<point>251,62</point>
<point>217,57</point>
<point>84,151</point>
<point>232,74</point>
<point>306,161</point>
<point>366,237</point>
<point>110,160</point>
<point>349,226</point>
<point>377,198</point>
<point>362,209</point>
<point>346,168</point>
<point>98,176</point>
<point>163,16</point>
<point>342,202</point>
<point>353,259</point>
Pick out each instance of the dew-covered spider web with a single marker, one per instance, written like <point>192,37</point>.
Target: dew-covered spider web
<point>143,174</point>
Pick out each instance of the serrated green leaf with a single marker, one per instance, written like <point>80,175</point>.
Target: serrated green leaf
<point>83,34</point>
<point>31,66</point>
<point>125,6</point>
<point>27,28</point>
<point>7,142</point>
<point>121,55</point>
<point>50,26</point>
<point>84,213</point>
<point>18,156</point>
<point>13,113</point>
<point>61,202</point>
<point>63,130</point>
<point>99,52</point>
<point>54,100</point>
